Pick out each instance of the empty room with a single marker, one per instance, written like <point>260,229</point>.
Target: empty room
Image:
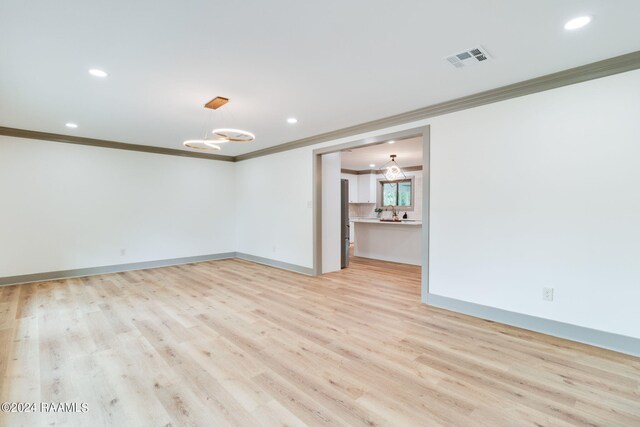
<point>251,213</point>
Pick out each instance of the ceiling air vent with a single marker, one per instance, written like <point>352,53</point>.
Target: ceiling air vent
<point>469,57</point>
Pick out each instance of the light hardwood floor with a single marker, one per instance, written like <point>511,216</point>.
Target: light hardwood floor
<point>233,342</point>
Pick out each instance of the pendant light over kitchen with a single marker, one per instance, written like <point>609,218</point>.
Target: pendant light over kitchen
<point>212,139</point>
<point>391,170</point>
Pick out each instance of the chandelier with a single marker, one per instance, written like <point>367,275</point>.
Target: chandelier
<point>212,140</point>
<point>392,171</point>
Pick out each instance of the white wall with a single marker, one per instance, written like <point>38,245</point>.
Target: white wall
<point>530,192</point>
<point>274,207</point>
<point>542,191</point>
<point>275,202</point>
<point>65,206</point>
<point>331,213</point>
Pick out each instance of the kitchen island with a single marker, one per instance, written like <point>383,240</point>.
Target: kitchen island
<point>388,241</point>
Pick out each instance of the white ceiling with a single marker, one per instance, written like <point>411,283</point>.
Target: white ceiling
<point>330,63</point>
<point>409,152</point>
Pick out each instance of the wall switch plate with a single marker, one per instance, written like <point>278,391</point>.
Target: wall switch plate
<point>123,252</point>
<point>547,294</point>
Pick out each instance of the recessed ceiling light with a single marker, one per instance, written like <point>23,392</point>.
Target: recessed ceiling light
<point>71,125</point>
<point>576,23</point>
<point>98,73</point>
<point>392,142</point>
<point>372,165</point>
<point>292,120</point>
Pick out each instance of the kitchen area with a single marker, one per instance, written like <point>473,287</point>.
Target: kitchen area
<point>382,202</point>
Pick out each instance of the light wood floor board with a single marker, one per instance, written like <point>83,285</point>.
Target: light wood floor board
<point>232,342</point>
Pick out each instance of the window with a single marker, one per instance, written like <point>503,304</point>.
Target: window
<point>397,193</point>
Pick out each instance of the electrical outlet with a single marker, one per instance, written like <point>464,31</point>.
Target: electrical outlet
<point>547,294</point>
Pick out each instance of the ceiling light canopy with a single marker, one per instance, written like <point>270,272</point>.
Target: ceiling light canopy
<point>71,125</point>
<point>216,102</point>
<point>372,165</point>
<point>576,23</point>
<point>392,142</point>
<point>292,120</point>
<point>98,73</point>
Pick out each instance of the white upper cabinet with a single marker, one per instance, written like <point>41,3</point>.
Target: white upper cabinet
<point>362,188</point>
<point>367,188</point>
<point>353,187</point>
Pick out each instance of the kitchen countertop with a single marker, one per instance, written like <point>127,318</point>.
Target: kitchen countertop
<point>377,221</point>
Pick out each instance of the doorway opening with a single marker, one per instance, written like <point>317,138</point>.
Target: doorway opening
<point>369,205</point>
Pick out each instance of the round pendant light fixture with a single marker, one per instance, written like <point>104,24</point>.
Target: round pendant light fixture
<point>212,139</point>
<point>202,144</point>
<point>235,135</point>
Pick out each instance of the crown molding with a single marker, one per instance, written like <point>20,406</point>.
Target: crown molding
<point>349,171</point>
<point>595,70</point>
<point>377,171</point>
<point>31,134</point>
